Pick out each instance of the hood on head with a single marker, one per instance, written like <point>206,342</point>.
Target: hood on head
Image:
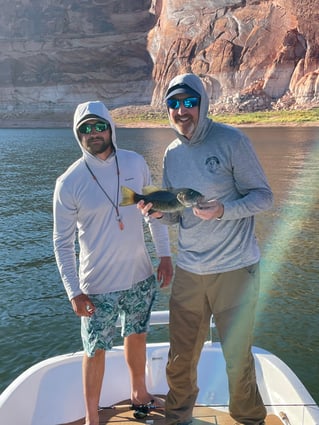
<point>92,110</point>
<point>181,84</point>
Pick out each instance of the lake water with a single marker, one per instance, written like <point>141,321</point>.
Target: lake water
<point>36,320</point>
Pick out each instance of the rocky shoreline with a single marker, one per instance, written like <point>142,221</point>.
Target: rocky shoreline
<point>125,117</point>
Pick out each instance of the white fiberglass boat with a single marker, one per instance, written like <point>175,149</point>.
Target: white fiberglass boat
<point>50,392</point>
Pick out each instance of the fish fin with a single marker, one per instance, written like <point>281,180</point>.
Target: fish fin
<point>127,196</point>
<point>150,189</point>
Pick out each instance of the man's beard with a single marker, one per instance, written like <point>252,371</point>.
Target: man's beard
<point>99,148</point>
<point>186,130</point>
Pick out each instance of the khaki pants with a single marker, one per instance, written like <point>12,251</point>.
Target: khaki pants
<point>231,297</point>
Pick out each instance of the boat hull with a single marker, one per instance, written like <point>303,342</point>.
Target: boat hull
<point>50,392</point>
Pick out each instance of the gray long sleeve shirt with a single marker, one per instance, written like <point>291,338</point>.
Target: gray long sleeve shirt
<point>220,162</point>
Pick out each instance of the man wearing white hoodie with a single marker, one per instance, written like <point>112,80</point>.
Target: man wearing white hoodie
<point>114,275</point>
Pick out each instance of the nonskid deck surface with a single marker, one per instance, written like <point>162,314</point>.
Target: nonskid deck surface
<point>121,414</point>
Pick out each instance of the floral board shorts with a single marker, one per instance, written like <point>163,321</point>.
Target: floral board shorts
<point>133,306</point>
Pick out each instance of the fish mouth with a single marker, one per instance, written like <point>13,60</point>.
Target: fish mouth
<point>190,201</point>
<point>200,199</point>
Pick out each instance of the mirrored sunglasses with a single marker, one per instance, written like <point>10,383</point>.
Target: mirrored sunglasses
<point>87,128</point>
<point>189,102</point>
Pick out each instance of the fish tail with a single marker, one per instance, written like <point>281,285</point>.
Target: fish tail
<point>128,196</point>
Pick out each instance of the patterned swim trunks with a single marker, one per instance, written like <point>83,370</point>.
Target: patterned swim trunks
<point>133,306</point>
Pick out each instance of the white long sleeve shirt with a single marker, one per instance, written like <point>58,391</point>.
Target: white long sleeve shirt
<point>109,259</point>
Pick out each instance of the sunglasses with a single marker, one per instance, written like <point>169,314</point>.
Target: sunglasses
<point>98,126</point>
<point>189,102</point>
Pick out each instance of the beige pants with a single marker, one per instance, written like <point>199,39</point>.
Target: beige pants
<point>231,297</point>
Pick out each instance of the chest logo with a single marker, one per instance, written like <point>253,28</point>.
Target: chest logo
<point>212,164</point>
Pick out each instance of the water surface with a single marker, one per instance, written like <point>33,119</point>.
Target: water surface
<point>36,319</point>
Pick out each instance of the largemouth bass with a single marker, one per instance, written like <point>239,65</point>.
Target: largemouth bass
<point>164,200</point>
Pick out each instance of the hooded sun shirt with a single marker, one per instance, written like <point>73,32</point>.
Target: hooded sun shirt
<point>110,259</point>
<point>220,162</point>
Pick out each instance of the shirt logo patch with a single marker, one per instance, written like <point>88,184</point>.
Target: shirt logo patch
<point>212,164</point>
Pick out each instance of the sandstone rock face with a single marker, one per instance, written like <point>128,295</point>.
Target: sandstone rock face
<point>251,54</point>
<point>58,53</point>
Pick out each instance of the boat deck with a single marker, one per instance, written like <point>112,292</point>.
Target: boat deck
<point>121,414</point>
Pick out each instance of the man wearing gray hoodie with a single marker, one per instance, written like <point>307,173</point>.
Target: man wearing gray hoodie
<point>115,274</point>
<point>217,270</point>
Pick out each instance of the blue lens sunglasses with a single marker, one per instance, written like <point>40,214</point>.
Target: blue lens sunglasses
<point>189,102</point>
<point>98,126</point>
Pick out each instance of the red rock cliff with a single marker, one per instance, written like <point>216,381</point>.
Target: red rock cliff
<point>250,54</point>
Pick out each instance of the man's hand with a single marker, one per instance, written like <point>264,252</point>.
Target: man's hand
<point>165,271</point>
<point>145,208</point>
<point>82,305</point>
<point>209,210</point>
